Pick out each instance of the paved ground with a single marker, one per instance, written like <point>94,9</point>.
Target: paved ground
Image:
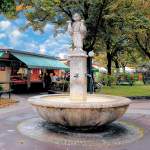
<point>11,139</point>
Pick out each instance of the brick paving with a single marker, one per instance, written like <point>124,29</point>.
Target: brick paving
<point>11,139</point>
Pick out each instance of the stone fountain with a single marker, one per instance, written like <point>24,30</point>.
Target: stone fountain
<point>79,110</point>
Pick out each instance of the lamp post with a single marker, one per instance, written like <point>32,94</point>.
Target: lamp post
<point>90,75</point>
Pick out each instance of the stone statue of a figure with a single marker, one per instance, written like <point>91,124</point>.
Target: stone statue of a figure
<point>77,30</point>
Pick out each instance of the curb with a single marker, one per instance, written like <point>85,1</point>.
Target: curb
<point>139,97</point>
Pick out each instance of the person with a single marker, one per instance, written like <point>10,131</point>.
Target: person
<point>47,80</point>
<point>53,79</point>
<point>67,76</point>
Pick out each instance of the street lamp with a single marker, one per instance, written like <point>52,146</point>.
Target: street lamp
<point>91,54</point>
<point>90,75</point>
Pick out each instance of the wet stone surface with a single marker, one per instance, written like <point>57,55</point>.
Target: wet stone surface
<point>117,133</point>
<point>137,116</point>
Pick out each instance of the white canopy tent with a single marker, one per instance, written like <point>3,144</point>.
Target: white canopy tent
<point>101,69</point>
<point>127,70</point>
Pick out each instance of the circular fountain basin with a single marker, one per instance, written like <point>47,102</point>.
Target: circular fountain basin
<point>95,111</point>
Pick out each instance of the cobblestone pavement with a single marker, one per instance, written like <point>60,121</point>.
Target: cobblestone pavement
<point>11,139</point>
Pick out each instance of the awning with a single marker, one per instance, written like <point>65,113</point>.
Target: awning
<point>33,61</point>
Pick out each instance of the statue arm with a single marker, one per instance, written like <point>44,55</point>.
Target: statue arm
<point>70,28</point>
<point>83,28</point>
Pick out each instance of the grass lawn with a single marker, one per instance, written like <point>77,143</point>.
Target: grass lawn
<point>136,90</point>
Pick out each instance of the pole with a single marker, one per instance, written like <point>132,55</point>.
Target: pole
<point>88,71</point>
<point>91,76</point>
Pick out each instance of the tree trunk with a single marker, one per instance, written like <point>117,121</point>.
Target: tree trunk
<point>117,68</point>
<point>109,62</point>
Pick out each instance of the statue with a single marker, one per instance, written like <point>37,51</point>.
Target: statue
<point>77,30</point>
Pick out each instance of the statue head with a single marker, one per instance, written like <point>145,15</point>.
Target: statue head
<point>76,17</point>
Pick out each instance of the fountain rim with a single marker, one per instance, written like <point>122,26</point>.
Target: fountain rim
<point>72,104</point>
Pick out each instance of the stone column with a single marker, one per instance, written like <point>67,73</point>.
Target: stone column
<point>78,75</point>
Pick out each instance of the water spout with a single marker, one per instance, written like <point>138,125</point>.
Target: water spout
<point>76,75</point>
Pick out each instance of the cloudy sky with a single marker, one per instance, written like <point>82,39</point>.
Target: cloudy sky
<point>29,40</point>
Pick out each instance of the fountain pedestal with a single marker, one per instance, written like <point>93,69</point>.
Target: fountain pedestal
<point>78,75</point>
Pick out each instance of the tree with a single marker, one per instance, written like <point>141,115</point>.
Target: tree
<point>132,32</point>
<point>140,25</point>
<point>109,22</point>
<point>100,59</point>
<point>128,57</point>
<point>8,8</point>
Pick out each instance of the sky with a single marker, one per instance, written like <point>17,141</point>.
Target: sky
<point>33,41</point>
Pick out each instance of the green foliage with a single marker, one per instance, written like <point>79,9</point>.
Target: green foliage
<point>1,88</point>
<point>139,27</point>
<point>41,13</point>
<point>109,80</point>
<point>94,12</point>
<point>119,28</point>
<point>8,8</point>
<point>109,22</point>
